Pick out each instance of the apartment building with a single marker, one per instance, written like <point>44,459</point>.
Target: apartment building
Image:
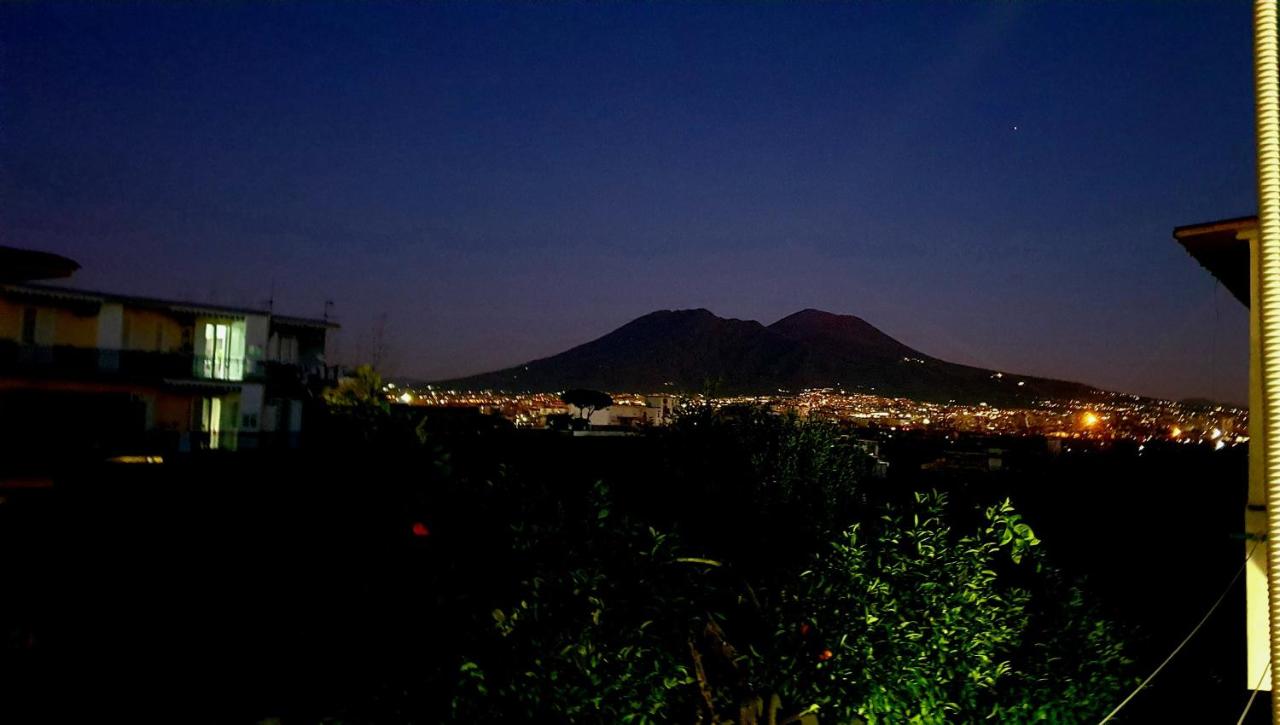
<point>86,370</point>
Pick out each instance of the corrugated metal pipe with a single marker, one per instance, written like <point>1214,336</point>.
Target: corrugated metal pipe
<point>1266,77</point>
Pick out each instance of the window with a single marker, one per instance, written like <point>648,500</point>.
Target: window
<point>211,420</point>
<point>215,351</point>
<point>222,357</point>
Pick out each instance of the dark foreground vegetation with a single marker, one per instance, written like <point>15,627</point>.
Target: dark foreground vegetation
<point>737,567</point>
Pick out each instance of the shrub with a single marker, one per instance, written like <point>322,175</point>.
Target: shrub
<point>764,584</point>
<point>905,620</point>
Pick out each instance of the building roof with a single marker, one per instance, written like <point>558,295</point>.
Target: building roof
<point>71,294</point>
<point>1219,248</point>
<point>19,265</point>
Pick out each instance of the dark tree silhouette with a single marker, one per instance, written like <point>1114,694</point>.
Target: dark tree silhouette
<point>587,401</point>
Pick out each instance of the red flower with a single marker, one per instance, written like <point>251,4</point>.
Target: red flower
<point>420,529</point>
<point>804,629</point>
<point>825,655</point>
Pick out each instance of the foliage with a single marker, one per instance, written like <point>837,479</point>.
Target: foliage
<point>586,401</point>
<point>780,486</point>
<point>781,584</point>
<point>361,389</point>
<point>359,413</point>
<point>905,620</point>
<point>591,635</point>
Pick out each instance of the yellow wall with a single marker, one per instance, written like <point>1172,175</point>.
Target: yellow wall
<point>10,320</point>
<point>69,328</point>
<point>81,330</point>
<point>75,330</point>
<point>1257,623</point>
<point>142,325</point>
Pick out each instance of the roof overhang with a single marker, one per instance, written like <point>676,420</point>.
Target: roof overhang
<point>1222,247</point>
<point>20,265</point>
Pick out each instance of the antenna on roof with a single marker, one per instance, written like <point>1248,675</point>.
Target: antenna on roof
<point>271,299</point>
<point>328,305</point>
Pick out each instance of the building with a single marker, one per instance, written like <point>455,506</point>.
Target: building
<point>653,410</point>
<point>84,371</point>
<point>1228,249</point>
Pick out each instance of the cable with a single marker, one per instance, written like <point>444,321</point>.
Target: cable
<point>1186,639</point>
<point>1256,687</point>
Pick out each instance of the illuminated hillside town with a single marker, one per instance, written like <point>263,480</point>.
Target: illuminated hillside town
<point>1109,417</point>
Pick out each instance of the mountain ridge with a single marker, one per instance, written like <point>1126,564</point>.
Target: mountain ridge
<point>691,350</point>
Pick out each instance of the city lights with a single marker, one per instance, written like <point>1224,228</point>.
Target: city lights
<point>1108,417</point>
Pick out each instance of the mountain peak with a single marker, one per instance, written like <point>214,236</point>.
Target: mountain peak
<point>841,333</point>
<point>682,350</point>
<point>694,312</point>
<point>810,315</point>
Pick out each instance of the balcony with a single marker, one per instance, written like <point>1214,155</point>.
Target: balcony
<point>217,368</point>
<point>63,361</point>
<point>292,380</point>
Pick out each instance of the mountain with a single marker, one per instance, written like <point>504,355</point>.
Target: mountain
<point>689,350</point>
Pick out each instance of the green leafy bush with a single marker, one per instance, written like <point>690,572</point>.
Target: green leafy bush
<point>904,619</point>
<point>769,582</point>
<point>596,631</point>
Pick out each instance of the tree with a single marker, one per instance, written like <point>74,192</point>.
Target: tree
<point>358,411</point>
<point>363,388</point>
<point>586,401</point>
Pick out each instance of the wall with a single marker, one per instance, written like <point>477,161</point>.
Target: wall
<point>10,320</point>
<point>1257,623</point>
<point>73,329</point>
<point>250,407</point>
<point>255,341</point>
<point>110,326</point>
<point>151,330</point>
<point>173,411</point>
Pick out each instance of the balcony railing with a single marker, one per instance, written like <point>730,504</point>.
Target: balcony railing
<point>88,362</point>
<point>217,368</point>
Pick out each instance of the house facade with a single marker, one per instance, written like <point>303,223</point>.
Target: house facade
<point>117,373</point>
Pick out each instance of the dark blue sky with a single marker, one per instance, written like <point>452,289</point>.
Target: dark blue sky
<point>991,183</point>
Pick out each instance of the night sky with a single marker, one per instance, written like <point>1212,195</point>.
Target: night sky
<point>993,184</point>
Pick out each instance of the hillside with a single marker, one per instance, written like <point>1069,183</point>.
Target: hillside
<point>695,350</point>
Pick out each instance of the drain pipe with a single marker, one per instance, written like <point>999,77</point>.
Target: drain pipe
<point>1266,77</point>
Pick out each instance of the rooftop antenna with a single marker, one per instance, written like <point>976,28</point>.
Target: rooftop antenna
<point>271,299</point>
<point>328,305</point>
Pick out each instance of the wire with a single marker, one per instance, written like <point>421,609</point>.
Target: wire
<point>1186,639</point>
<point>1256,687</point>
